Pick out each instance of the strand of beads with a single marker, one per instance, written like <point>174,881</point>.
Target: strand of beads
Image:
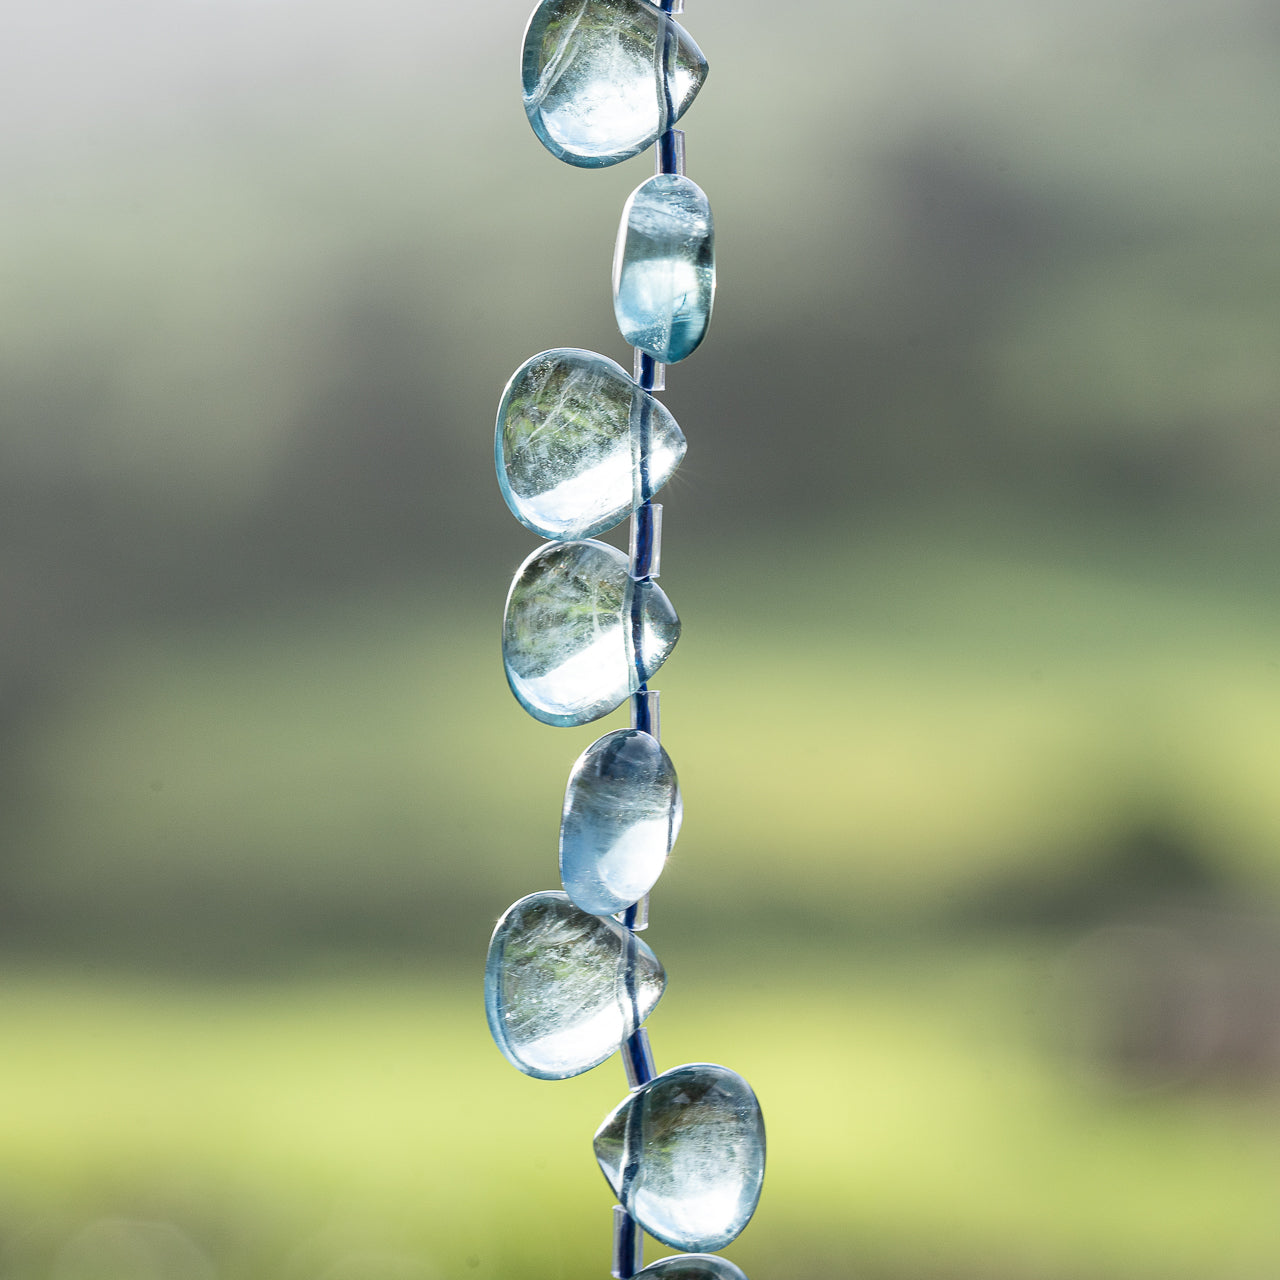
<point>579,446</point>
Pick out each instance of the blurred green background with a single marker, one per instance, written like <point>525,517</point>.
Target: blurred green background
<point>977,710</point>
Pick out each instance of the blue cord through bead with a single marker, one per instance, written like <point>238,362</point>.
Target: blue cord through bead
<point>642,562</point>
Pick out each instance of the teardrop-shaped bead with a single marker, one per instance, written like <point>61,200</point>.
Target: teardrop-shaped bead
<point>664,268</point>
<point>571,427</point>
<point>593,76</point>
<point>580,633</point>
<point>622,813</point>
<point>563,989</point>
<point>692,1266</point>
<point>684,1154</point>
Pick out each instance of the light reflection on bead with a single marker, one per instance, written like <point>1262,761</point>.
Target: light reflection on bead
<point>592,74</point>
<point>569,430</point>
<point>664,271</point>
<point>622,813</point>
<point>563,989</point>
<point>685,1153</point>
<point>567,637</point>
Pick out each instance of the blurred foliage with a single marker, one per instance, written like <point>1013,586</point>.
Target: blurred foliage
<point>975,711</point>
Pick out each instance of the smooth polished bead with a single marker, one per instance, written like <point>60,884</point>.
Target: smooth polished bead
<point>572,428</point>
<point>684,1154</point>
<point>563,989</point>
<point>622,813</point>
<point>692,1266</point>
<point>664,268</point>
<point>580,633</point>
<point>593,76</point>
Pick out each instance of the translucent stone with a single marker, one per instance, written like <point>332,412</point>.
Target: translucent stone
<point>692,1266</point>
<point>621,816</point>
<point>664,268</point>
<point>570,430</point>
<point>563,989</point>
<point>684,1154</point>
<point>593,76</point>
<point>580,634</point>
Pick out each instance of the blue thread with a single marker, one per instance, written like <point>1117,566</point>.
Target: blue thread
<point>640,1068</point>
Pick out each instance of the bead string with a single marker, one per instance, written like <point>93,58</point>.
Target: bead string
<point>655,448</point>
<point>646,534</point>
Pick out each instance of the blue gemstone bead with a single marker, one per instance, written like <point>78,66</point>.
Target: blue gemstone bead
<point>564,989</point>
<point>580,634</point>
<point>684,1154</point>
<point>570,429</point>
<point>622,813</point>
<point>692,1266</point>
<point>593,76</point>
<point>664,268</point>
